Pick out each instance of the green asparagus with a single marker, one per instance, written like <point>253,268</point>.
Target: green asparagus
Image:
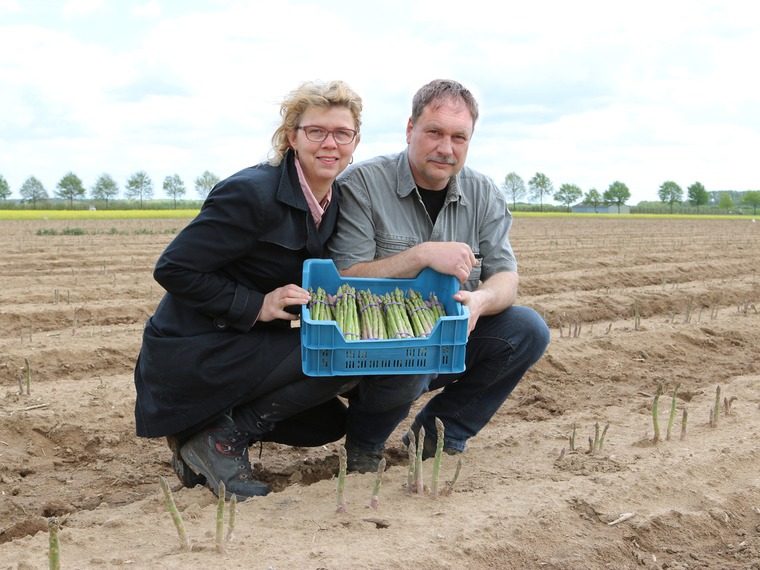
<point>363,315</point>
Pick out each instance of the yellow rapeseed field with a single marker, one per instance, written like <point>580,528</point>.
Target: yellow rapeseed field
<point>94,214</point>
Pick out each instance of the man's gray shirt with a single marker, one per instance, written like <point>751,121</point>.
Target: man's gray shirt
<point>381,214</point>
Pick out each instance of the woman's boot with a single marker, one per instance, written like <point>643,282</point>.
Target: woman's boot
<point>219,452</point>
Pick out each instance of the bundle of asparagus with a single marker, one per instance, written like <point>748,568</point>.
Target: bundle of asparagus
<point>320,307</point>
<point>345,312</point>
<point>421,315</point>
<point>363,315</point>
<point>371,316</point>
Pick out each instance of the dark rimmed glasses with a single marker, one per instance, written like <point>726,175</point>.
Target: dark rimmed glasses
<point>318,134</point>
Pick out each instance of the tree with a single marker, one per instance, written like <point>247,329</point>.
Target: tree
<point>70,187</point>
<point>594,198</point>
<point>567,194</point>
<point>33,190</point>
<point>670,193</point>
<point>514,187</point>
<point>139,186</point>
<point>540,185</point>
<point>726,202</point>
<point>617,193</point>
<point>104,189</point>
<point>174,187</point>
<point>697,194</point>
<point>5,189</point>
<point>752,198</point>
<point>205,183</point>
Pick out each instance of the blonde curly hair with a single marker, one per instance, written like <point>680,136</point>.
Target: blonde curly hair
<point>307,96</point>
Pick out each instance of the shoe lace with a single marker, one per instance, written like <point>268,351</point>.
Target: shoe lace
<point>235,444</point>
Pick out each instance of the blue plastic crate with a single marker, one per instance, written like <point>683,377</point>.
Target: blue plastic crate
<point>326,352</point>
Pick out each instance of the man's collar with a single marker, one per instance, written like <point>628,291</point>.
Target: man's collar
<point>406,181</point>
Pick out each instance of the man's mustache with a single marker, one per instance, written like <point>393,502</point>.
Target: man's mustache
<point>444,159</point>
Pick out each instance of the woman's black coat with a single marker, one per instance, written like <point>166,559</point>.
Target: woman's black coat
<point>201,351</point>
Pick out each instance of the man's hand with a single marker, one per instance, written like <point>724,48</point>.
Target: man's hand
<point>276,301</point>
<point>450,258</point>
<point>471,300</point>
<point>493,296</point>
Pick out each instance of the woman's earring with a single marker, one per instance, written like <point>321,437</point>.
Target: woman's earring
<point>352,160</point>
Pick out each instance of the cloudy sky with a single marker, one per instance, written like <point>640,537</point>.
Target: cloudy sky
<point>586,92</point>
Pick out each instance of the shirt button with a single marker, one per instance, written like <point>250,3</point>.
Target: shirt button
<point>220,323</point>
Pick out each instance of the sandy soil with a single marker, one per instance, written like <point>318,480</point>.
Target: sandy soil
<point>73,306</point>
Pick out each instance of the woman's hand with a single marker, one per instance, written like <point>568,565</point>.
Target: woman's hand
<point>276,301</point>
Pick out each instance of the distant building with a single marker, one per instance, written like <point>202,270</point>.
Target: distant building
<point>584,208</point>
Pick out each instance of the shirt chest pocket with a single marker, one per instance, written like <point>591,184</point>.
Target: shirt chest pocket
<point>473,281</point>
<point>387,245</point>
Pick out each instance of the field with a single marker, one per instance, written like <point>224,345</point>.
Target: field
<point>633,304</point>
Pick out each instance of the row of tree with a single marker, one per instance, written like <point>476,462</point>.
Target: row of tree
<point>540,187</point>
<point>671,193</point>
<point>139,187</point>
<point>617,194</point>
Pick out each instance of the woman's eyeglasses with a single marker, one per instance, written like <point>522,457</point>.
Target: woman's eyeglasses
<point>318,134</point>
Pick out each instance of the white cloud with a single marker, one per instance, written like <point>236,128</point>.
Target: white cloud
<point>587,93</point>
<point>10,6</point>
<point>77,8</point>
<point>150,10</point>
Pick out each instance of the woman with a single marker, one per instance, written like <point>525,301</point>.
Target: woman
<point>220,364</point>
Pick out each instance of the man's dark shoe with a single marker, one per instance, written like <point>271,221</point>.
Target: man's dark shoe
<point>219,452</point>
<point>361,460</point>
<point>429,445</point>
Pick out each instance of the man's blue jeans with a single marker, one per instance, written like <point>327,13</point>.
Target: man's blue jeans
<point>500,350</point>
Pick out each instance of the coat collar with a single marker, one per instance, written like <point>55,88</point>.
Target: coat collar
<point>289,190</point>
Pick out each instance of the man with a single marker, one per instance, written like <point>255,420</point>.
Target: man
<point>423,208</point>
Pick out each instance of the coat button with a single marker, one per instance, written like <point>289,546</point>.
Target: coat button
<point>220,323</point>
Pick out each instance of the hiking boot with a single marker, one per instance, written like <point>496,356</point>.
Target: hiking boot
<point>219,452</point>
<point>429,445</point>
<point>184,473</point>
<point>361,460</point>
